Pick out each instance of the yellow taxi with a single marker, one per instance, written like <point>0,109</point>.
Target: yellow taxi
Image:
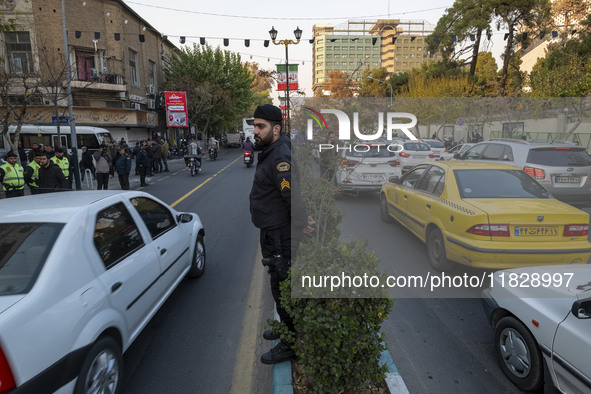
<point>485,215</point>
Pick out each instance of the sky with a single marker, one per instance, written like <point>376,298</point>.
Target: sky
<point>238,20</point>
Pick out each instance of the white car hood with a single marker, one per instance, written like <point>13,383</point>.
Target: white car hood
<point>9,300</point>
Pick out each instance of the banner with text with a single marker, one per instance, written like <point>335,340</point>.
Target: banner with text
<point>282,77</point>
<point>176,109</point>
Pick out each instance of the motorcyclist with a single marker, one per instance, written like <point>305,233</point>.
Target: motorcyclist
<point>193,150</point>
<point>215,145</point>
<point>248,146</point>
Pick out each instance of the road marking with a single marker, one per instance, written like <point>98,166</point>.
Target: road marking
<point>244,366</point>
<point>203,183</point>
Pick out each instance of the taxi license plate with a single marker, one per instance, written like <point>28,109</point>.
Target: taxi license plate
<point>567,179</point>
<point>535,231</point>
<point>373,177</point>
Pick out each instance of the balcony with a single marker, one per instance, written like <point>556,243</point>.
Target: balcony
<point>107,82</point>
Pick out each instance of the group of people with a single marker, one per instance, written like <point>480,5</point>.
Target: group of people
<point>44,170</point>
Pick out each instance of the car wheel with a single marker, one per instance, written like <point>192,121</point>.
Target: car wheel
<point>518,354</point>
<point>198,262</point>
<point>102,370</point>
<point>436,251</point>
<point>384,215</point>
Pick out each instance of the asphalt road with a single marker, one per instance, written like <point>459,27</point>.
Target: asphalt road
<point>209,332</point>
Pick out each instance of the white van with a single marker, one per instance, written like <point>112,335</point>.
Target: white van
<point>91,137</point>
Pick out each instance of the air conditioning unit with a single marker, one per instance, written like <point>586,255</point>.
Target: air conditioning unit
<point>136,106</point>
<point>151,104</point>
<point>150,90</point>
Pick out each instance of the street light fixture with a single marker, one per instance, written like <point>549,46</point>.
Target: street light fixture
<point>387,83</point>
<point>298,34</point>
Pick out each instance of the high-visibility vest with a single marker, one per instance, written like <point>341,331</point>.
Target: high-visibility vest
<point>35,177</point>
<point>14,177</point>
<point>64,164</point>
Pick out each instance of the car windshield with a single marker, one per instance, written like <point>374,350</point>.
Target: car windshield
<point>415,146</point>
<point>559,157</point>
<point>23,250</point>
<point>498,184</point>
<point>435,144</point>
<point>369,151</point>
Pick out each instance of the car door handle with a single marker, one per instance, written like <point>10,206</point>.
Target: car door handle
<point>116,286</point>
<point>162,252</point>
<point>405,197</point>
<point>429,206</point>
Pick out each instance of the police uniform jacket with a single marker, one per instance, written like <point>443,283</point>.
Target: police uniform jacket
<point>275,199</point>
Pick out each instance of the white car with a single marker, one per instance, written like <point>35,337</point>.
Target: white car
<point>542,323</point>
<point>412,152</point>
<point>367,166</point>
<point>81,274</point>
<point>459,148</point>
<point>436,146</point>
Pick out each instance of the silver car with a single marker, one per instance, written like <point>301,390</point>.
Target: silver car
<point>563,168</point>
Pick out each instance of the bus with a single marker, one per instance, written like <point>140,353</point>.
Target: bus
<point>91,137</point>
<point>248,128</point>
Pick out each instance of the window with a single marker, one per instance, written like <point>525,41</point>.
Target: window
<point>18,52</point>
<point>133,68</point>
<point>85,66</point>
<point>431,180</point>
<point>157,217</point>
<point>497,152</point>
<point>116,235</point>
<point>412,177</point>
<point>498,184</point>
<point>474,152</point>
<point>152,73</point>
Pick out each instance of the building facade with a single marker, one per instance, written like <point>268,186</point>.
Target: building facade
<point>356,45</point>
<point>117,61</point>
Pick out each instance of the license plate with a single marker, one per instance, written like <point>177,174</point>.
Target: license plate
<point>373,177</point>
<point>535,231</point>
<point>567,179</point>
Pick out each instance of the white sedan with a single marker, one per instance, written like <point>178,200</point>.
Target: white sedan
<point>542,321</point>
<point>81,274</point>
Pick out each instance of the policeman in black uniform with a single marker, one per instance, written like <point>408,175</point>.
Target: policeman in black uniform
<point>278,210</point>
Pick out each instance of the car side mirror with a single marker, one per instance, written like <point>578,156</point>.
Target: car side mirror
<point>582,309</point>
<point>394,179</point>
<point>184,217</point>
<point>458,156</point>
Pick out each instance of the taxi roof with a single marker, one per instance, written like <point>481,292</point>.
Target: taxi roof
<point>472,165</point>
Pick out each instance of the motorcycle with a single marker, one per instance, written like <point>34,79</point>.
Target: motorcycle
<point>248,158</point>
<point>194,164</point>
<point>213,154</point>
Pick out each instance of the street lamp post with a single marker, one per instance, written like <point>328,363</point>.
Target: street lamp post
<point>298,34</point>
<point>72,121</point>
<point>387,83</point>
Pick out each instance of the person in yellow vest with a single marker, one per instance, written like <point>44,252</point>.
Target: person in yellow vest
<point>32,173</point>
<point>12,176</point>
<point>63,162</point>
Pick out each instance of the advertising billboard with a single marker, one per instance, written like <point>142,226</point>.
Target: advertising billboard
<point>176,109</point>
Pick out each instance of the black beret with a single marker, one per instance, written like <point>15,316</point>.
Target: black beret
<point>268,112</point>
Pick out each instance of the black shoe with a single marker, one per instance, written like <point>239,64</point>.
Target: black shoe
<point>145,184</point>
<point>269,335</point>
<point>166,171</point>
<point>281,352</point>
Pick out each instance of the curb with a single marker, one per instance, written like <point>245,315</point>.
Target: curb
<point>281,377</point>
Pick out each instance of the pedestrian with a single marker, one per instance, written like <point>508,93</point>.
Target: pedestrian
<point>35,148</point>
<point>23,155</point>
<point>143,161</point>
<point>134,152</point>
<point>165,149</point>
<point>32,173</point>
<point>103,167</point>
<point>51,177</point>
<point>123,167</point>
<point>86,163</point>
<point>278,210</point>
<point>12,176</point>
<point>112,150</point>
<point>49,150</point>
<point>150,153</point>
<point>62,161</point>
<point>157,157</point>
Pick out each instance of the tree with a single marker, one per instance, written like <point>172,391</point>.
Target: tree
<point>261,86</point>
<point>372,88</point>
<point>218,85</point>
<point>486,74</point>
<point>570,13</point>
<point>525,15</point>
<point>339,84</point>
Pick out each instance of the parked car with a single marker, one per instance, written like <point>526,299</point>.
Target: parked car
<point>412,152</point>
<point>563,168</point>
<point>436,146</point>
<point>449,154</point>
<point>485,215</point>
<point>81,274</point>
<point>542,321</point>
<point>366,166</point>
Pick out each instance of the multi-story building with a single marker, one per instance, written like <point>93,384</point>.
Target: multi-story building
<point>117,61</point>
<point>350,48</point>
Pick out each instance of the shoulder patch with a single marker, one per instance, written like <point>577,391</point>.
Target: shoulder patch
<point>283,166</point>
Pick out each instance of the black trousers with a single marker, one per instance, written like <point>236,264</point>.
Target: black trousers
<point>102,180</point>
<point>124,181</point>
<point>143,171</point>
<point>289,245</point>
<point>15,193</point>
